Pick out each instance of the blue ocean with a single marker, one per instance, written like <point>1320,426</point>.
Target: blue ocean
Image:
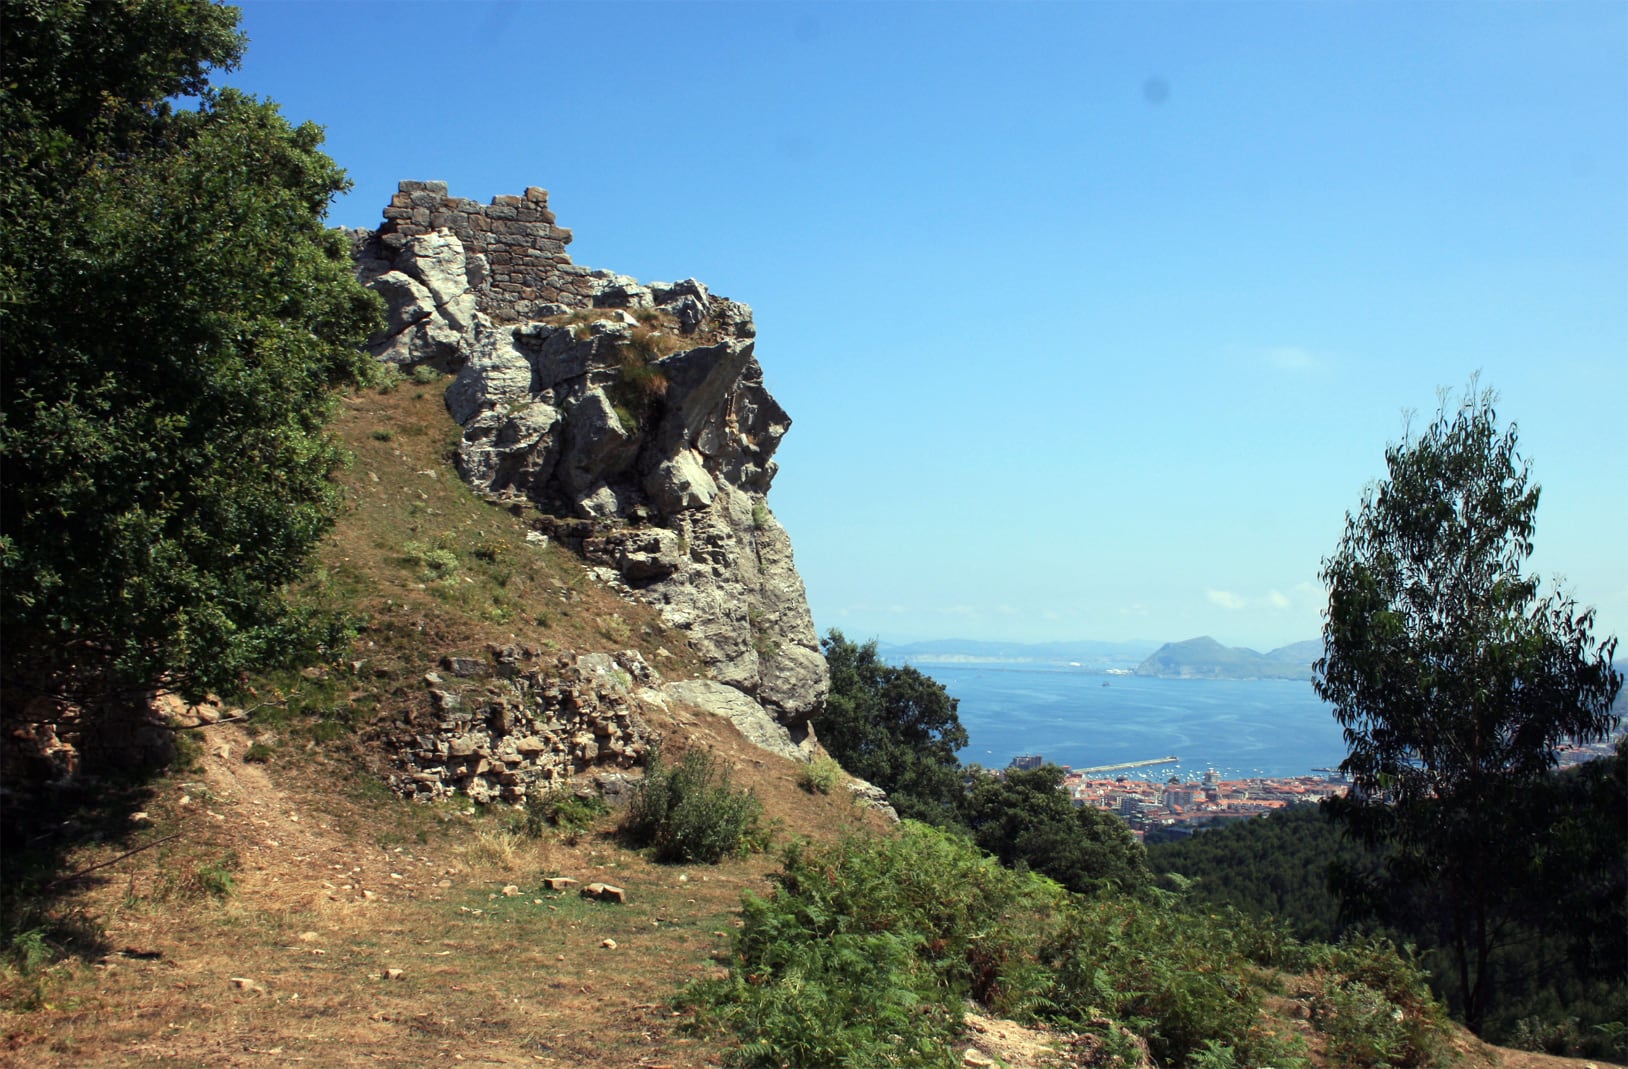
<point>1241,728</point>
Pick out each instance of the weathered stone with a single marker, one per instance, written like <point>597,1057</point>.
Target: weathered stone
<point>750,719</point>
<point>681,483</point>
<point>605,892</point>
<point>871,796</point>
<point>406,301</point>
<point>672,469</point>
<point>464,667</point>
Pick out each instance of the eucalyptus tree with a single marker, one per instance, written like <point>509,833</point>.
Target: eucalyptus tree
<point>1455,677</point>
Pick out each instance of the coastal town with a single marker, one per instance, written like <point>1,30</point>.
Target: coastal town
<point>1175,807</point>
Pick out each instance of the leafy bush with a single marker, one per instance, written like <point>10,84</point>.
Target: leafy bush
<point>864,953</point>
<point>693,812</point>
<point>437,562</point>
<point>894,727</point>
<point>1376,1009</point>
<point>1027,818</point>
<point>850,999</point>
<point>867,950</point>
<point>1177,979</point>
<point>569,814</point>
<point>821,776</point>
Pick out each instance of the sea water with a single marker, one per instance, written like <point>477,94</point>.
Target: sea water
<point>1070,716</point>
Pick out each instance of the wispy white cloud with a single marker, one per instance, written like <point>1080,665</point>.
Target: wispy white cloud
<point>1295,358</point>
<point>1273,599</point>
<point>1288,359</point>
<point>957,610</point>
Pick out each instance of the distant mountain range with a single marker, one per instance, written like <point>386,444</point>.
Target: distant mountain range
<point>1205,658</point>
<point>1101,656</point>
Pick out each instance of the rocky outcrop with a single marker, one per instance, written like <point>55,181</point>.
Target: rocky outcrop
<point>633,414</point>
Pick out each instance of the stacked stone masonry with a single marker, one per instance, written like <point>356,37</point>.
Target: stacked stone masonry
<point>526,265</point>
<point>508,727</point>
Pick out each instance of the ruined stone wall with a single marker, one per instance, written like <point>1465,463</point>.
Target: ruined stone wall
<point>667,481</point>
<point>517,254</point>
<point>508,727</point>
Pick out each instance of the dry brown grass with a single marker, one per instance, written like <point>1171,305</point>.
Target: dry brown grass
<point>337,884</point>
<point>331,882</point>
<point>406,499</point>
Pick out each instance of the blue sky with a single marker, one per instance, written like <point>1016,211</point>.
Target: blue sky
<point>1094,319</point>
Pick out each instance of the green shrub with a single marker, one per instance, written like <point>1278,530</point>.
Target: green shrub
<point>1176,979</point>
<point>693,812</point>
<point>437,562</point>
<point>383,377</point>
<point>569,814</point>
<point>821,776</point>
<point>1375,1007</point>
<point>846,1000</point>
<point>424,374</point>
<point>865,951</point>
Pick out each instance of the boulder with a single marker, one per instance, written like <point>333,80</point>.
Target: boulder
<point>750,719</point>
<point>681,483</point>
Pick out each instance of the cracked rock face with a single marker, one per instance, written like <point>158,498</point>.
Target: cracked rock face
<point>635,414</point>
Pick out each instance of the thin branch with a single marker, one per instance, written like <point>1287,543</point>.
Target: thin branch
<point>113,861</point>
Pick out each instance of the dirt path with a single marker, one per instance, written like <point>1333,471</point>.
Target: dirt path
<point>303,916</point>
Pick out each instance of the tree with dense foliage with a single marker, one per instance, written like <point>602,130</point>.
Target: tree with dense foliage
<point>175,319</point>
<point>895,727</point>
<point>1275,868</point>
<point>1454,680</point>
<point>1026,817</point>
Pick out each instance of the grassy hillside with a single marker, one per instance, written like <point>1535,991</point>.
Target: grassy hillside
<point>267,902</point>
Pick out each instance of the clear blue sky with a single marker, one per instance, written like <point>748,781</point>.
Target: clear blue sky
<point>1093,319</point>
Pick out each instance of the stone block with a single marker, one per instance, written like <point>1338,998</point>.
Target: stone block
<point>605,892</point>
<point>507,200</point>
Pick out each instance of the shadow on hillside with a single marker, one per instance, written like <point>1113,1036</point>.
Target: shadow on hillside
<point>46,830</point>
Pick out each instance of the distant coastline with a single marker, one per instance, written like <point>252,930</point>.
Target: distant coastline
<point>1195,658</point>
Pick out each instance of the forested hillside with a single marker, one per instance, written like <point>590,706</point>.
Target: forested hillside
<point>1562,967</point>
